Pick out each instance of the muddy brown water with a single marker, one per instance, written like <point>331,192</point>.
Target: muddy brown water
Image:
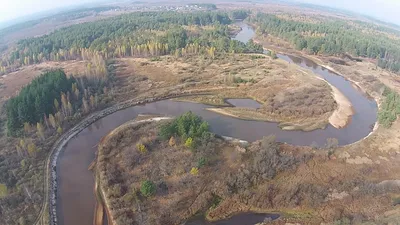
<point>76,200</point>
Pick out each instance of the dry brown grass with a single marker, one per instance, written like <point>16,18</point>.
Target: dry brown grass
<point>289,94</point>
<point>319,188</point>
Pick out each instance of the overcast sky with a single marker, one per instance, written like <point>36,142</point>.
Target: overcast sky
<point>388,10</point>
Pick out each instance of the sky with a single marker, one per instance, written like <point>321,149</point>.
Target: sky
<point>12,9</point>
<point>387,10</point>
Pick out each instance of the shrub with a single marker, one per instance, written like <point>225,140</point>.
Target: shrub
<point>3,190</point>
<point>189,143</point>
<point>268,161</point>
<point>396,201</point>
<point>238,80</point>
<point>194,171</point>
<point>201,162</point>
<point>155,59</point>
<point>172,141</point>
<point>332,143</point>
<point>141,148</point>
<point>216,200</point>
<point>59,130</point>
<point>147,188</point>
<point>273,55</point>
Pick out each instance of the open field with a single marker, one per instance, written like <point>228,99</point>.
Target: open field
<point>288,94</point>
<point>50,24</point>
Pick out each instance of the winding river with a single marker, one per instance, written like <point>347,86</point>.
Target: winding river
<point>75,198</point>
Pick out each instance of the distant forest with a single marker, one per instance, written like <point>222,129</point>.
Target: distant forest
<point>335,37</point>
<point>136,34</point>
<point>148,34</point>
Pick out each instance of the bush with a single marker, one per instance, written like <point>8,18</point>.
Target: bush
<point>396,201</point>
<point>172,142</point>
<point>59,130</point>
<point>3,190</point>
<point>268,161</point>
<point>155,59</point>
<point>189,143</point>
<point>201,162</point>
<point>194,171</point>
<point>141,148</point>
<point>216,200</point>
<point>147,188</point>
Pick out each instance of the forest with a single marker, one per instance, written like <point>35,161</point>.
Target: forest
<point>50,99</point>
<point>37,99</point>
<point>138,34</point>
<point>333,37</point>
<point>390,108</point>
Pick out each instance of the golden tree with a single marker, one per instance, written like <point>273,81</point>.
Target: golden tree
<point>40,130</point>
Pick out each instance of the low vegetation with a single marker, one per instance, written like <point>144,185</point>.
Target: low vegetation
<point>190,172</point>
<point>147,188</point>
<point>217,180</point>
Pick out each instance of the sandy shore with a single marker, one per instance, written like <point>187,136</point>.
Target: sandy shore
<point>342,115</point>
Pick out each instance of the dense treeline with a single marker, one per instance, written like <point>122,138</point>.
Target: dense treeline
<point>140,34</point>
<point>240,14</point>
<point>334,38</point>
<point>390,108</point>
<point>118,31</point>
<point>37,99</point>
<point>204,5</point>
<point>50,99</point>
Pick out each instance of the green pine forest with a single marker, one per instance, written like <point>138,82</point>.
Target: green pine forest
<point>140,34</point>
<point>334,37</point>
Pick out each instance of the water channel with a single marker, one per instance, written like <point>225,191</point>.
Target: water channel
<point>76,201</point>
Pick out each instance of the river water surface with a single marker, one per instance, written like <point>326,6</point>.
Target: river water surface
<point>76,201</point>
